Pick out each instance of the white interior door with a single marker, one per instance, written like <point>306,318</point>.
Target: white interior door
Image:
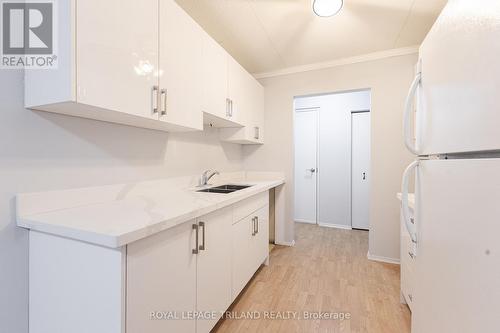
<point>306,147</point>
<point>458,250</point>
<point>360,174</point>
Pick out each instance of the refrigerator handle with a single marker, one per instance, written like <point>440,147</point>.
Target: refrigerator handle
<point>404,201</point>
<point>407,114</point>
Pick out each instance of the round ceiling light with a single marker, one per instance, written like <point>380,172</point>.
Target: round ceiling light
<point>326,8</point>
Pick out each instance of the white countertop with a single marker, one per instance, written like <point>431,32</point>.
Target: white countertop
<point>116,215</point>
<point>411,200</point>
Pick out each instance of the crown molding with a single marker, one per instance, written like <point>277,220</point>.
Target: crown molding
<point>340,62</point>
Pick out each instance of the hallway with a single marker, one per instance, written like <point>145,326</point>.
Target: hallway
<point>325,272</point>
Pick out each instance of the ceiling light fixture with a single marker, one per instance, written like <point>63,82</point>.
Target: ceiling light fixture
<point>326,8</point>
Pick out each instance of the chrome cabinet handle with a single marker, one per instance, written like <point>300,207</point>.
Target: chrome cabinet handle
<point>163,101</point>
<point>313,170</point>
<point>202,246</point>
<point>154,100</point>
<point>253,226</point>
<point>256,134</point>
<point>227,108</point>
<point>195,227</point>
<point>364,175</point>
<point>257,224</point>
<point>231,108</point>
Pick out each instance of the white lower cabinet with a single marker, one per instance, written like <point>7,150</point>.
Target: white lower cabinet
<point>161,279</point>
<point>179,280</point>
<point>184,278</point>
<point>241,271</point>
<point>260,244</point>
<point>213,282</point>
<point>250,247</point>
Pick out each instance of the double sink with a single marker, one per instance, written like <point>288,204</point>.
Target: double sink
<point>225,189</point>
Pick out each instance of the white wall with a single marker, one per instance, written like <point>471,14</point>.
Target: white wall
<point>334,177</point>
<point>389,80</point>
<point>42,151</point>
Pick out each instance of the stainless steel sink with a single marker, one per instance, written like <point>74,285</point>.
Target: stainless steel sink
<point>225,189</point>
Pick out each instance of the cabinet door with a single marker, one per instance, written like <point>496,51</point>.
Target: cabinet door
<point>214,266</point>
<point>242,259</point>
<point>260,111</point>
<point>214,78</point>
<point>237,88</point>
<point>161,277</point>
<point>181,83</point>
<point>248,97</point>
<point>260,242</point>
<point>117,54</point>
<point>257,111</point>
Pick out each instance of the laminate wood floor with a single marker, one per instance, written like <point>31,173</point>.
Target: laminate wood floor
<point>326,271</point>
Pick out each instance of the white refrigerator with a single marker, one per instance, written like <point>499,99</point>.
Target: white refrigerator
<point>455,136</point>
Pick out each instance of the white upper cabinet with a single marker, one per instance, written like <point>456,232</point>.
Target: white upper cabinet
<point>117,55</point>
<point>181,86</point>
<point>257,112</point>
<point>145,64</point>
<point>232,99</point>
<point>250,108</point>
<point>236,89</point>
<point>216,103</point>
<point>109,65</point>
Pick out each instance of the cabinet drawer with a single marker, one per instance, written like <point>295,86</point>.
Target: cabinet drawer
<point>246,207</point>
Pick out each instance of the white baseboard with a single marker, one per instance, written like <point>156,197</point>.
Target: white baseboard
<point>305,221</point>
<point>382,259</point>
<point>337,226</point>
<point>292,243</point>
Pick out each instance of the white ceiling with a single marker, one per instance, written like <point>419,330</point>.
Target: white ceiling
<point>268,35</point>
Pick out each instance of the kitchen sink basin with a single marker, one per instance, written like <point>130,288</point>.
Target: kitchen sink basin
<point>229,188</point>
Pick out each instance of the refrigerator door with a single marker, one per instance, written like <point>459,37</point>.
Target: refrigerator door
<point>458,107</point>
<point>457,272</point>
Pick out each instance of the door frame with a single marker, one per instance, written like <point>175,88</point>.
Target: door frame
<point>315,109</point>
<point>350,173</point>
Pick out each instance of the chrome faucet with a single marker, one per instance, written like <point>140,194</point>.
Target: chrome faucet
<point>205,176</point>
